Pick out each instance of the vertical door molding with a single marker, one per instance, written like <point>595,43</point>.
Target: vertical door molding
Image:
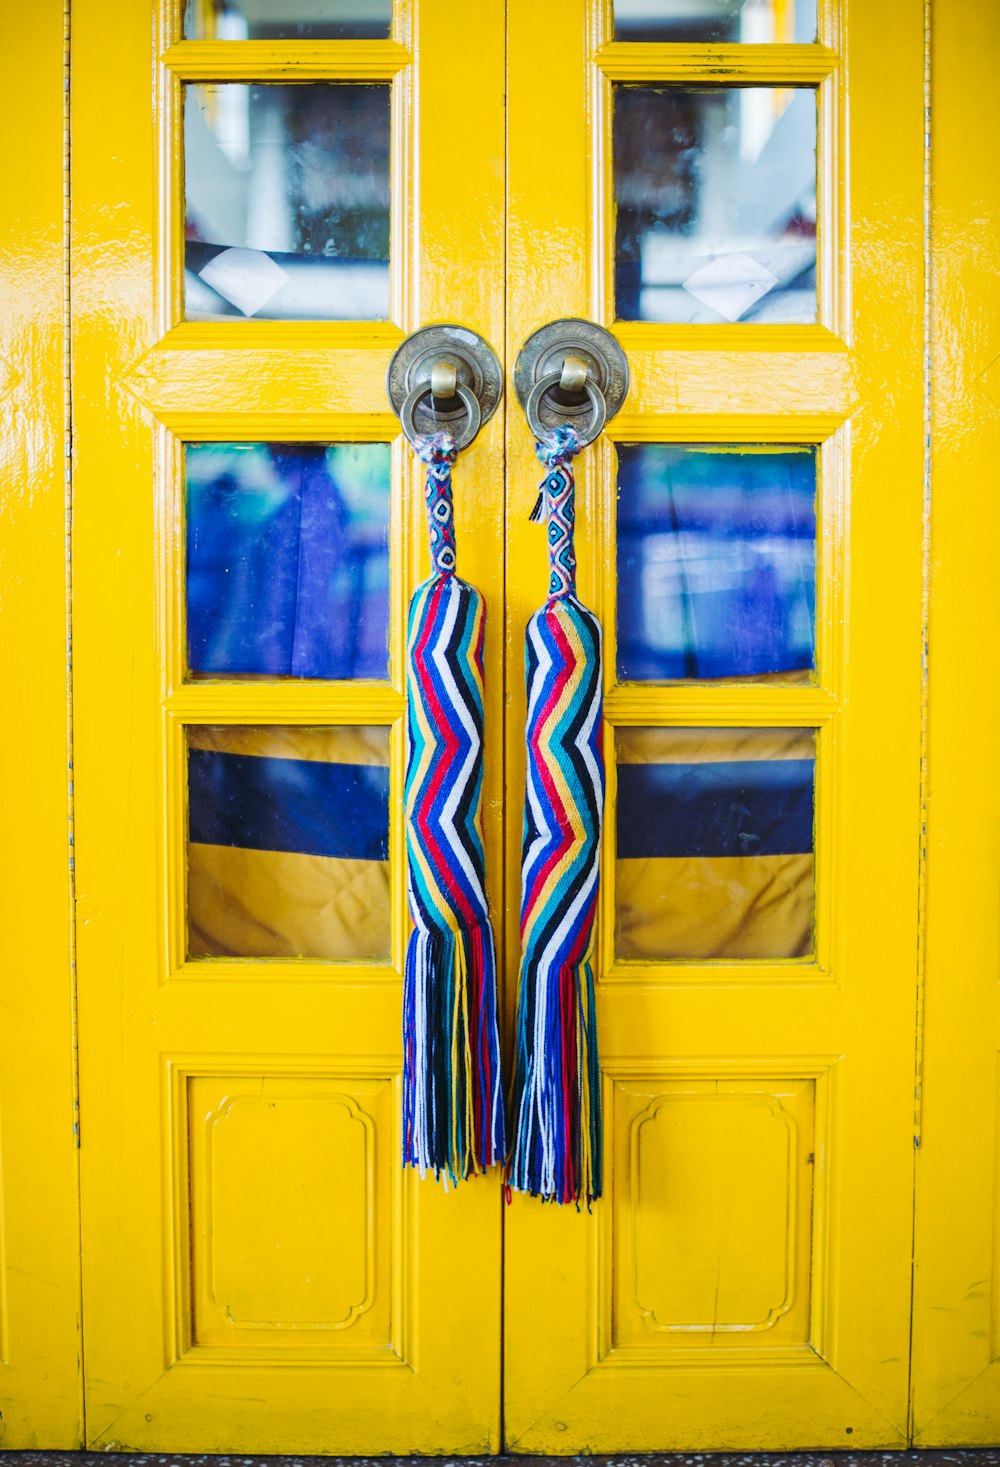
<point>40,1388</point>
<point>956,1324</point>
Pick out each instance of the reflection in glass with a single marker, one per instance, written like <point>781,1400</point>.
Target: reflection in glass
<point>694,22</point>
<point>288,843</point>
<point>288,559</point>
<point>715,191</point>
<point>716,561</point>
<point>287,201</point>
<point>714,843</point>
<point>286,20</point>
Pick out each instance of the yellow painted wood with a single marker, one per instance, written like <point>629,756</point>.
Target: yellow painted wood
<point>286,60</point>
<point>599,1353</point>
<point>645,61</point>
<point>40,1401</point>
<point>209,1086</point>
<point>956,1323</point>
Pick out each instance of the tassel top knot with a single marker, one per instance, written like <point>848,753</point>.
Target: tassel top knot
<point>558,446</point>
<point>436,448</point>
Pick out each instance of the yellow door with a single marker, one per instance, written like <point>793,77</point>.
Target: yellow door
<point>265,199</point>
<point>259,1273</point>
<point>745,1281</point>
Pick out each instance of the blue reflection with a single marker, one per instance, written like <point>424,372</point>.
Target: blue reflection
<point>716,561</point>
<point>288,559</point>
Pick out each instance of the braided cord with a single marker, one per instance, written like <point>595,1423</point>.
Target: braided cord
<point>556,452</point>
<point>438,452</point>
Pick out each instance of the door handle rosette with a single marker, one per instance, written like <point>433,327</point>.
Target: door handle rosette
<point>570,373</point>
<point>444,379</point>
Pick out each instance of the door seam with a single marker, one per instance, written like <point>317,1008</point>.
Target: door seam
<point>921,945</point>
<point>67,366</point>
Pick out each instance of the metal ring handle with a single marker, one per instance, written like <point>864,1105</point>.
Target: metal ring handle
<point>466,396</point>
<point>597,402</point>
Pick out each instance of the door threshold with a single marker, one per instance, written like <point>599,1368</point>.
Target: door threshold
<point>933,1457</point>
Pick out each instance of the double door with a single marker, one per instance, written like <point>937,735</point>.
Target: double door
<point>265,199</point>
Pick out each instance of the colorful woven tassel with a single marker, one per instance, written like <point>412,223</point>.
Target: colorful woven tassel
<point>556,1095</point>
<point>453,1121</point>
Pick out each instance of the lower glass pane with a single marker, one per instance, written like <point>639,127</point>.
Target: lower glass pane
<point>716,562</point>
<point>715,843</point>
<point>288,843</point>
<point>288,559</point>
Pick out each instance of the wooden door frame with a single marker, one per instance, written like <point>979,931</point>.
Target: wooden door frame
<point>39,1379</point>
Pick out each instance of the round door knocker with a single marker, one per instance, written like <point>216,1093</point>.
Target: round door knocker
<point>595,398</point>
<point>463,432</point>
<point>444,378</point>
<point>570,372</point>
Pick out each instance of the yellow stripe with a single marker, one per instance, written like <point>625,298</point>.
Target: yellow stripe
<point>340,745</point>
<point>280,904</point>
<point>712,745</point>
<point>699,907</point>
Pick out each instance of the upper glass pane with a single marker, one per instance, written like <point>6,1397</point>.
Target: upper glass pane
<point>715,192</point>
<point>286,201</point>
<point>691,22</point>
<point>287,20</point>
<point>288,559</point>
<point>716,561</point>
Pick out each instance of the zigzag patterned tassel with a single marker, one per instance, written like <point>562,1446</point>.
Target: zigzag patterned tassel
<point>453,1122</point>
<point>556,1094</point>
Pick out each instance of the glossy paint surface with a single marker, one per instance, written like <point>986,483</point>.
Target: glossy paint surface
<point>823,1042</point>
<point>731,1290</point>
<point>40,1383</point>
<point>260,1274</point>
<point>956,1322</point>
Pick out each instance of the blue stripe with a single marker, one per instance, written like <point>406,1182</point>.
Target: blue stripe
<point>750,808</point>
<point>264,804</point>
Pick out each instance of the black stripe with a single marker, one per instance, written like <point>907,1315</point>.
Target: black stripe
<point>300,805</point>
<point>750,808</point>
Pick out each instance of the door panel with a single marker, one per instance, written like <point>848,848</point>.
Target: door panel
<point>259,1273</point>
<point>733,1289</point>
<point>40,1389</point>
<point>260,212</point>
<point>956,1321</point>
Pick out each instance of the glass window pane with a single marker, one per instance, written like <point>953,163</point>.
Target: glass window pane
<point>288,843</point>
<point>715,843</point>
<point>693,22</point>
<point>716,562</point>
<point>287,201</point>
<point>288,559</point>
<point>715,190</point>
<point>287,20</point>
